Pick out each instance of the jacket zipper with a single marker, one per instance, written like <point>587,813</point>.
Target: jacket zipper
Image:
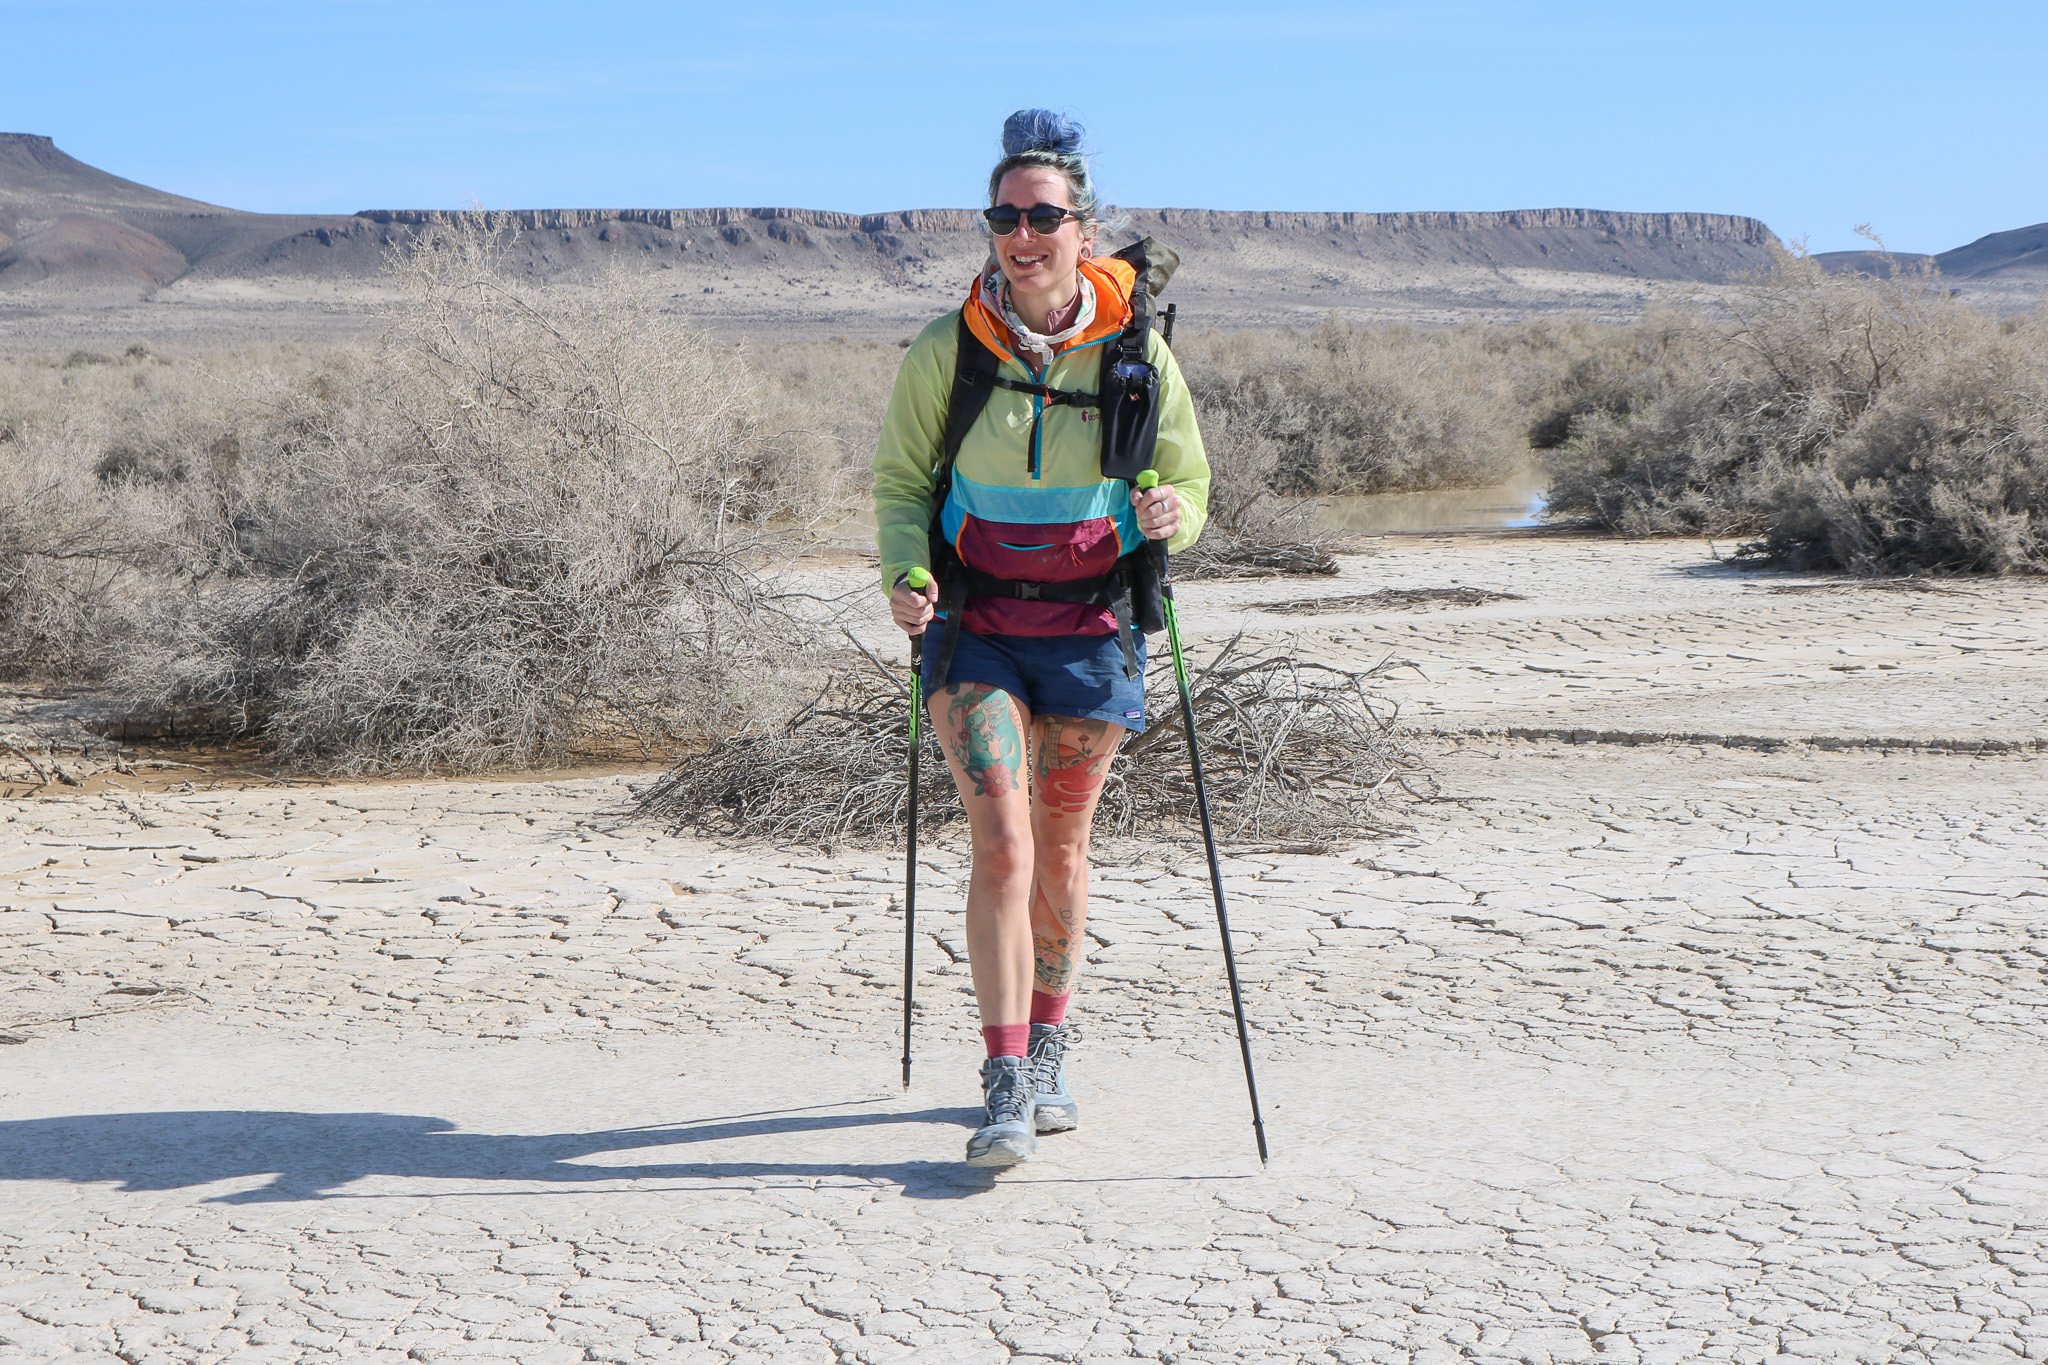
<point>1037,413</point>
<point>1031,459</point>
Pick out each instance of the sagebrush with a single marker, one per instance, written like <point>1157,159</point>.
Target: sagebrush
<point>523,523</point>
<point>1875,425</point>
<point>1353,410</point>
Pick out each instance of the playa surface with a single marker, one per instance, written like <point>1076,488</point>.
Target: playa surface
<point>1706,1018</point>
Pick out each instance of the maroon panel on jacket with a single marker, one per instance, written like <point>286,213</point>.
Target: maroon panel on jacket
<point>1037,552</point>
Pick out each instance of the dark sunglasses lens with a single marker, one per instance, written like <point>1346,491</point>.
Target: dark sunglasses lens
<point>1045,218</point>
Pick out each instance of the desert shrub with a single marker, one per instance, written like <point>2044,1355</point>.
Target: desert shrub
<point>524,523</point>
<point>1832,421</point>
<point>63,545</point>
<point>821,404</point>
<point>75,538</point>
<point>1253,530</point>
<point>1356,410</point>
<point>1563,369</point>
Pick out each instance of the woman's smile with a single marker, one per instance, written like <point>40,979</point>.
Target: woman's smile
<point>1024,250</point>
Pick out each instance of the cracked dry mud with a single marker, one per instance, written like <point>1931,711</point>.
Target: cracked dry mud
<point>1639,1050</point>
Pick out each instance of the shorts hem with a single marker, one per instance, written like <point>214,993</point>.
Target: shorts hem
<point>1135,725</point>
<point>1031,669</point>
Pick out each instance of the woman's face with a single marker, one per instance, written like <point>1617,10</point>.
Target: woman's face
<point>1035,264</point>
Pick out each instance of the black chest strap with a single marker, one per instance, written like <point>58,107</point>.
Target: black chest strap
<point>1053,398</point>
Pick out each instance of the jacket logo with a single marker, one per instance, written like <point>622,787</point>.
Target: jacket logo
<point>1090,415</point>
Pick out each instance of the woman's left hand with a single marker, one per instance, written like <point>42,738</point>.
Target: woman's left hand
<point>1158,511</point>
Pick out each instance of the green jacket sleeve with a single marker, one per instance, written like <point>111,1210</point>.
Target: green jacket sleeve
<point>907,455</point>
<point>1179,456</point>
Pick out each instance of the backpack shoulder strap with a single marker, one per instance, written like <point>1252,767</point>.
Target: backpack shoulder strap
<point>974,379</point>
<point>975,370</point>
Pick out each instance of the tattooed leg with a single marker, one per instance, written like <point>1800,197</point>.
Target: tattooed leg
<point>981,730</point>
<point>1055,935</point>
<point>1070,763</point>
<point>984,737</point>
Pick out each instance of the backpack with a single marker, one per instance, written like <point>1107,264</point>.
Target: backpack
<point>1127,395</point>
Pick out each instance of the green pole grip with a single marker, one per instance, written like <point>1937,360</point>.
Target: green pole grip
<point>1148,479</point>
<point>919,580</point>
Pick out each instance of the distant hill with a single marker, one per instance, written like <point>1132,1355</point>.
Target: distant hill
<point>2020,255</point>
<point>69,229</point>
<point>74,237</point>
<point>82,250</point>
<point>2011,263</point>
<point>36,177</point>
<point>72,233</point>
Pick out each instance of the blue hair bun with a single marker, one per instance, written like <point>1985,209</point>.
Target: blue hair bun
<point>1040,130</point>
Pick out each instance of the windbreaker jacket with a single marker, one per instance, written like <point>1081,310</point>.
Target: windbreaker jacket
<point>1028,501</point>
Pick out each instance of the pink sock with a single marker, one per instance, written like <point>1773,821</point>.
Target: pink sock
<point>1049,1009</point>
<point>1006,1040</point>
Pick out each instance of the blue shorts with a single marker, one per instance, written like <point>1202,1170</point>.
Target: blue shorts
<point>1053,675</point>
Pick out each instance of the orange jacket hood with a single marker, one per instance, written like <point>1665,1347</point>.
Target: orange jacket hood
<point>1113,280</point>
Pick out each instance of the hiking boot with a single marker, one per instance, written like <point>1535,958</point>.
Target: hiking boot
<point>1005,1137</point>
<point>1055,1111</point>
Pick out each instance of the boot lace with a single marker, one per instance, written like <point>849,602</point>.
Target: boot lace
<point>1049,1053</point>
<point>1008,1092</point>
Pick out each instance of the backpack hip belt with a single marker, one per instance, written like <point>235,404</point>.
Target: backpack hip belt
<point>1116,590</point>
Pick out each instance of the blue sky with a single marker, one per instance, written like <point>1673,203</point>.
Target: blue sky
<point>1814,117</point>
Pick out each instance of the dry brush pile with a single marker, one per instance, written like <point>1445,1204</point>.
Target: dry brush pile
<point>1295,752</point>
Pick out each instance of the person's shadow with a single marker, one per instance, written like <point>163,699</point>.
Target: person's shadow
<point>314,1156</point>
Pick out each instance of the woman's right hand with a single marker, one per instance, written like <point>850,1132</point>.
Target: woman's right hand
<point>912,608</point>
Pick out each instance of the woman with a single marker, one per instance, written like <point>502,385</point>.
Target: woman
<point>1036,694</point>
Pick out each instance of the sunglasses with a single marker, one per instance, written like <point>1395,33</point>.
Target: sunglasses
<point>1045,218</point>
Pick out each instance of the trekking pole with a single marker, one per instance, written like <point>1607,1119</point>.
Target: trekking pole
<point>1157,549</point>
<point>920,580</point>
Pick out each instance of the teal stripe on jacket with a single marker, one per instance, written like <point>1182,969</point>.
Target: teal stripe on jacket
<point>1039,506</point>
